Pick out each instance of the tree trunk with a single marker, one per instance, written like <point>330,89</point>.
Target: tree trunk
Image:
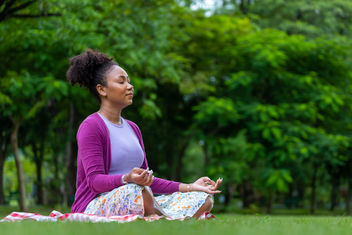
<point>269,204</point>
<point>335,183</point>
<point>21,186</point>
<point>227,195</point>
<point>313,186</point>
<point>244,6</point>
<point>38,159</point>
<point>180,157</point>
<point>2,163</point>
<point>348,197</point>
<point>39,182</point>
<point>69,159</point>
<point>206,156</point>
<point>246,193</point>
<point>3,152</point>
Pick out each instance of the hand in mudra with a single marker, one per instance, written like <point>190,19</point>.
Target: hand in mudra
<point>140,176</point>
<point>204,184</point>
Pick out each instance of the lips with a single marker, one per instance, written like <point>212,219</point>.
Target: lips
<point>130,94</point>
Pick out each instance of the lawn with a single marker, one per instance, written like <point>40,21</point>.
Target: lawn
<point>223,224</point>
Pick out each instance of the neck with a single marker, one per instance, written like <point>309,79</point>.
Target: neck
<point>113,114</point>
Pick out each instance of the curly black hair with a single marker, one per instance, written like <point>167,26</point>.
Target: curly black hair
<point>88,69</point>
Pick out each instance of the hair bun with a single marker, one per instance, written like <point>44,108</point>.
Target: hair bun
<point>85,66</point>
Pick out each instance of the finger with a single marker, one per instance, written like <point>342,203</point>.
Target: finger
<point>208,180</point>
<point>213,188</point>
<point>144,173</point>
<point>150,180</point>
<point>147,179</point>
<point>141,178</point>
<point>137,178</point>
<point>218,181</point>
<point>144,178</point>
<point>137,170</point>
<point>214,192</point>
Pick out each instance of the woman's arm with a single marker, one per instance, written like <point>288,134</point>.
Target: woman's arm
<point>162,186</point>
<point>90,155</point>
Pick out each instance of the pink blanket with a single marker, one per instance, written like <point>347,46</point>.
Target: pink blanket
<point>81,217</point>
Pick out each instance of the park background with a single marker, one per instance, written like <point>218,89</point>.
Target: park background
<point>257,92</point>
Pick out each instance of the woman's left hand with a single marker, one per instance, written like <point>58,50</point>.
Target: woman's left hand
<point>204,184</point>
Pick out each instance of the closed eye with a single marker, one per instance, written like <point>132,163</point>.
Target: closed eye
<point>123,79</point>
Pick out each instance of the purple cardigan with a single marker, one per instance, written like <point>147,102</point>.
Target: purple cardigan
<point>93,163</point>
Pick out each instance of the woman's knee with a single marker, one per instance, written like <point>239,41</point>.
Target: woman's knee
<point>209,203</point>
<point>206,207</point>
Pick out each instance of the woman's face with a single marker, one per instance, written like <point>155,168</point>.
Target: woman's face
<point>118,90</point>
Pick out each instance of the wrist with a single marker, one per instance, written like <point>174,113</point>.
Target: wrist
<point>189,187</point>
<point>185,188</point>
<point>125,179</point>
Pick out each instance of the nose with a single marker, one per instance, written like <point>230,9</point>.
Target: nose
<point>130,86</point>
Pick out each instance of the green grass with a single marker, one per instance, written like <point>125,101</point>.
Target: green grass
<point>223,224</point>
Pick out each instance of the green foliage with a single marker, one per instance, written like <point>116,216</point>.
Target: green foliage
<point>277,179</point>
<point>10,179</point>
<point>285,91</point>
<point>221,108</point>
<point>25,94</point>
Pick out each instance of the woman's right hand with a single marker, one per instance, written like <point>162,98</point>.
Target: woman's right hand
<point>139,176</point>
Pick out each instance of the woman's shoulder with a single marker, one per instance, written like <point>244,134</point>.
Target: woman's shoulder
<point>92,119</point>
<point>131,123</point>
<point>92,123</point>
<point>135,127</point>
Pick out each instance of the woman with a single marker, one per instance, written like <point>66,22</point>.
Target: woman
<point>113,177</point>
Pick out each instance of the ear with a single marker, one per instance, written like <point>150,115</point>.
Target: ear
<point>101,89</point>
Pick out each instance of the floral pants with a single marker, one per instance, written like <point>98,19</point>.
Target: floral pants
<point>128,199</point>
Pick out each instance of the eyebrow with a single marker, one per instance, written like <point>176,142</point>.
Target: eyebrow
<point>123,76</point>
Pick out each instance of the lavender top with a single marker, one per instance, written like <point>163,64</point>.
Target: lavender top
<point>126,152</point>
<point>94,161</point>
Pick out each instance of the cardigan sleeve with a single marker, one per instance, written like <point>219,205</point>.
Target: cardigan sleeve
<point>90,153</point>
<point>159,186</point>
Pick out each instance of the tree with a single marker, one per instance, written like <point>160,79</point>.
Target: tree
<point>25,96</point>
<point>281,92</point>
<point>22,9</point>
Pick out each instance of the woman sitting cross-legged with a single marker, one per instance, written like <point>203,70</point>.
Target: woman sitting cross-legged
<point>113,177</point>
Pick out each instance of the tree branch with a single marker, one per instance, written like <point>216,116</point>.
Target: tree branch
<point>24,5</point>
<point>35,16</point>
<point>8,5</point>
<point>2,2</point>
<point>7,11</point>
